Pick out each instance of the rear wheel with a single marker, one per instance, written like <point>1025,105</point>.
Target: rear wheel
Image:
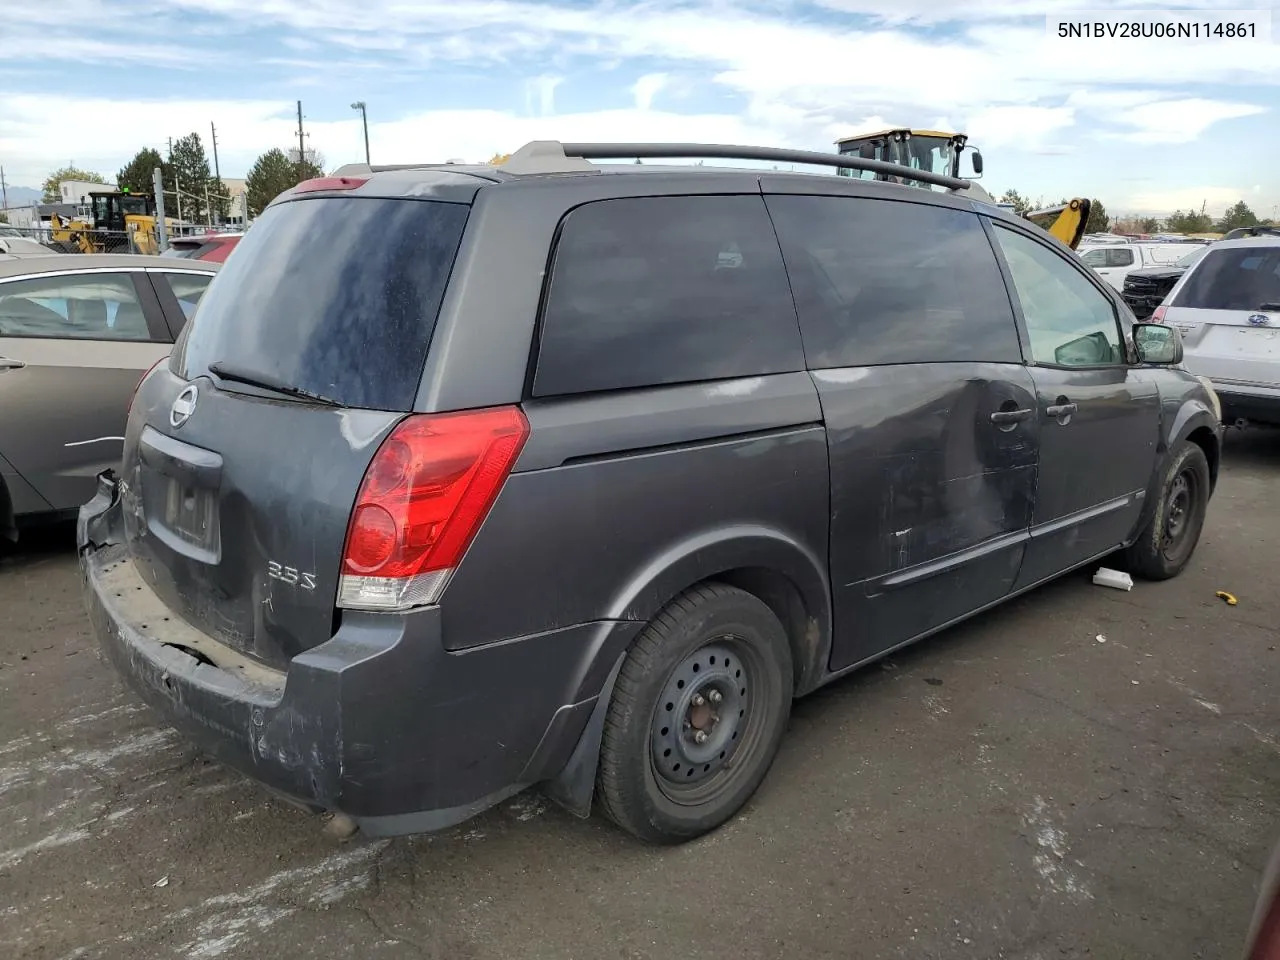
<point>697,714</point>
<point>1167,542</point>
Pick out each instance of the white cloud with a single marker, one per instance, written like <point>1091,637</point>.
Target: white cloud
<point>648,87</point>
<point>1026,127</point>
<point>540,95</point>
<point>1181,121</point>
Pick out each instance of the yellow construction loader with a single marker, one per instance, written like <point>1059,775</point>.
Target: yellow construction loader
<point>116,218</point>
<point>940,152</point>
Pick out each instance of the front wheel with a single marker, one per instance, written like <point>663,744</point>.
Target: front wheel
<point>697,715</point>
<point>1169,539</point>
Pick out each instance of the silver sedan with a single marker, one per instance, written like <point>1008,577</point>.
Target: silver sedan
<point>77,333</point>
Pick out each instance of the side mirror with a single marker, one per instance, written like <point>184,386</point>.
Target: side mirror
<point>1157,344</point>
<point>977,163</point>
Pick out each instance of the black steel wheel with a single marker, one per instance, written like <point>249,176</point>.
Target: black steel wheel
<point>1170,537</point>
<point>698,712</point>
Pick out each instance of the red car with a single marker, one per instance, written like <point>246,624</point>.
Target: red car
<point>214,247</point>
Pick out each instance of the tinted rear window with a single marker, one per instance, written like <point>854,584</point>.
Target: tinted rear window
<point>335,296</point>
<point>1243,278</point>
<point>661,290</point>
<point>881,282</point>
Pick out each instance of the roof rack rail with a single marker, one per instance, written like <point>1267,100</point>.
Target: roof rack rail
<point>551,156</point>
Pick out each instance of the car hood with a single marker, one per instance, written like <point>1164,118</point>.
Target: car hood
<point>1158,273</point>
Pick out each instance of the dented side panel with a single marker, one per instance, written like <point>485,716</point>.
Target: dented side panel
<point>930,500</point>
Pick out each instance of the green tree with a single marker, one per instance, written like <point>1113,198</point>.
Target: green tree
<point>4,217</point>
<point>136,174</point>
<point>1189,222</point>
<point>1021,205</point>
<point>272,174</point>
<point>1237,215</point>
<point>51,192</point>
<point>193,178</point>
<point>1149,224</point>
<point>1098,221</point>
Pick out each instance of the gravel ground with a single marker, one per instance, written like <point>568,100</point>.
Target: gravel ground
<point>1083,772</point>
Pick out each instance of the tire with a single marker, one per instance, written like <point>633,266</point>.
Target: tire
<point>1169,539</point>
<point>654,780</point>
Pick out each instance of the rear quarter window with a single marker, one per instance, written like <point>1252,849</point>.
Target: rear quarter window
<point>883,282</point>
<point>664,290</point>
<point>1243,278</point>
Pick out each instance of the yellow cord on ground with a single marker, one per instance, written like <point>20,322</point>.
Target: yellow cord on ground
<point>1223,595</point>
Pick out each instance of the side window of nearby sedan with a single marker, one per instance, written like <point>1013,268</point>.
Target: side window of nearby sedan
<point>187,289</point>
<point>1071,323</point>
<point>88,306</point>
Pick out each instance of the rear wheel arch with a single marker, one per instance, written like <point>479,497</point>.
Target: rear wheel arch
<point>8,524</point>
<point>775,568</point>
<point>801,603</point>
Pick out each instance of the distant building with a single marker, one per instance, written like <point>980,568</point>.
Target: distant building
<point>77,191</point>
<point>236,211</point>
<point>36,216</point>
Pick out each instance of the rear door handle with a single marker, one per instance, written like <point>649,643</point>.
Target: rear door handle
<point>1002,417</point>
<point>1060,410</point>
<point>7,364</point>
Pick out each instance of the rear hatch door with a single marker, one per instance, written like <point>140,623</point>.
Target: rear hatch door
<point>1227,308</point>
<point>245,453</point>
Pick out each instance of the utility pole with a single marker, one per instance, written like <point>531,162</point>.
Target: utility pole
<point>162,233</point>
<point>217,174</point>
<point>364,116</point>
<point>4,190</point>
<point>171,149</point>
<point>302,155</point>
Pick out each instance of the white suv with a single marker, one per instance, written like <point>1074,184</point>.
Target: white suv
<point>1227,308</point>
<point>1115,261</point>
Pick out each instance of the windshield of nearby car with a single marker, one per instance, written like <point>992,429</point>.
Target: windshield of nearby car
<point>1190,258</point>
<point>1236,278</point>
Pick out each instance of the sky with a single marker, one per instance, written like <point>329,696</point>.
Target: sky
<point>1144,125</point>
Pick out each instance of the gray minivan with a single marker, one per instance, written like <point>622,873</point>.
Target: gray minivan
<point>575,474</point>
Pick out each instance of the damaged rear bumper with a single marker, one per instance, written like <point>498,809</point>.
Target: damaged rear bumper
<point>379,722</point>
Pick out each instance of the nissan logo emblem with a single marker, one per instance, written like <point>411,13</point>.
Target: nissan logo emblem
<point>183,406</point>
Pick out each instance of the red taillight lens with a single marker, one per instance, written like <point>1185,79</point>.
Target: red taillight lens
<point>330,183</point>
<point>129,405</point>
<point>423,497</point>
<point>1157,315</point>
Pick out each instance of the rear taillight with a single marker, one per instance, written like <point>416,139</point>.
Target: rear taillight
<point>137,385</point>
<point>1157,316</point>
<point>423,497</point>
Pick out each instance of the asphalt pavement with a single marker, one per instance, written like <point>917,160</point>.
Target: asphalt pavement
<point>1082,773</point>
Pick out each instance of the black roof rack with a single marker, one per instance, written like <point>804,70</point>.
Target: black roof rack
<point>551,156</point>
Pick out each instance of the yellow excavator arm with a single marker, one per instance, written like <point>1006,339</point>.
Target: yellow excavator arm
<point>1066,221</point>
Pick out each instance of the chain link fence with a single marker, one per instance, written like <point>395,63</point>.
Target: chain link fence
<point>78,237</point>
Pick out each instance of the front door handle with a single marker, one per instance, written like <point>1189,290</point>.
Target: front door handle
<point>1004,417</point>
<point>7,364</point>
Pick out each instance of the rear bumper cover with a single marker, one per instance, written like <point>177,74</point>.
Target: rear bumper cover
<point>379,722</point>
<point>1249,401</point>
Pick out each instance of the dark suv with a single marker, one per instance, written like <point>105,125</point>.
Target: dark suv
<point>468,479</point>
